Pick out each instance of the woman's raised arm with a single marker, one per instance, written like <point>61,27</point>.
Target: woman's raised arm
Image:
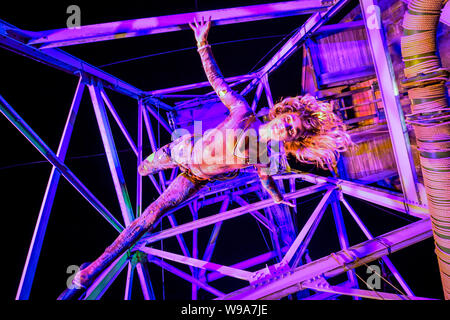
<point>229,97</point>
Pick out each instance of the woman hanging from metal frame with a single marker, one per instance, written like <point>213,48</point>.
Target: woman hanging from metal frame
<point>308,129</point>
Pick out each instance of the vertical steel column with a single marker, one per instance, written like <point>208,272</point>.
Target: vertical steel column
<point>151,137</point>
<point>213,237</point>
<point>117,175</point>
<point>390,96</point>
<point>149,132</point>
<point>186,277</point>
<point>111,153</point>
<point>265,82</point>
<point>159,118</point>
<point>141,267</point>
<point>257,96</point>
<point>129,281</point>
<point>34,251</point>
<point>342,233</point>
<point>116,170</point>
<point>195,271</point>
<point>119,122</point>
<point>369,236</point>
<point>172,220</point>
<point>273,236</point>
<point>144,279</point>
<point>106,278</point>
<point>139,160</point>
<point>303,238</point>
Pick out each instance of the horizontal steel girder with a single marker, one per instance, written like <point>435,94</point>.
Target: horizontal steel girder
<point>170,23</point>
<point>388,199</point>
<point>14,39</point>
<point>341,290</point>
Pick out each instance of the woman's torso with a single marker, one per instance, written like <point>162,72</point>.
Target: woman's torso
<point>223,149</point>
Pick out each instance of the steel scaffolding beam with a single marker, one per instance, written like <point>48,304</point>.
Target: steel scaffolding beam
<point>154,25</point>
<point>34,251</point>
<point>391,99</point>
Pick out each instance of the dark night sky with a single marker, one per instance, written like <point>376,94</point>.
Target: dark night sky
<point>42,96</point>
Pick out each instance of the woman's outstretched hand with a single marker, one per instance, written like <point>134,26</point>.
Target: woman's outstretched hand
<point>201,30</point>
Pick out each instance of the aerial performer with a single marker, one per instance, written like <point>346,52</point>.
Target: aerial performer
<point>307,129</point>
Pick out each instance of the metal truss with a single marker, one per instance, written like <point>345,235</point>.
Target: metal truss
<point>278,280</point>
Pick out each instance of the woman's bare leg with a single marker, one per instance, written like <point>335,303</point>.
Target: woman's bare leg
<point>178,191</point>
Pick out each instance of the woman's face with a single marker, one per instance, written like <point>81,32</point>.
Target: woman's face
<point>286,127</point>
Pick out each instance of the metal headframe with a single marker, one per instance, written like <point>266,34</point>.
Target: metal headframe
<point>273,282</point>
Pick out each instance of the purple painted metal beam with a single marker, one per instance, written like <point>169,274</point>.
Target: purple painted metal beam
<point>159,118</point>
<point>342,232</point>
<point>171,219</point>
<point>158,103</point>
<point>144,279</point>
<point>388,199</point>
<point>207,255</point>
<point>111,154</point>
<point>310,26</point>
<point>195,271</point>
<point>59,59</point>
<point>386,260</point>
<point>152,144</point>
<point>341,27</point>
<point>29,270</point>
<point>37,142</point>
<point>327,295</point>
<point>337,263</point>
<point>118,121</point>
<point>228,215</point>
<point>257,96</point>
<point>301,242</point>
<point>184,248</point>
<point>151,137</point>
<point>116,170</point>
<point>265,82</point>
<point>215,233</point>
<point>274,237</point>
<point>186,277</point>
<point>258,216</point>
<point>229,271</point>
<point>391,99</point>
<point>263,258</point>
<point>146,26</point>
<point>129,282</point>
<point>106,278</point>
<point>139,158</point>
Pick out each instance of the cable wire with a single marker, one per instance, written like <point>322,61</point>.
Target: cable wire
<point>185,49</point>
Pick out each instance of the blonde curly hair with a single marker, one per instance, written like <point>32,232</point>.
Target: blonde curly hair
<point>324,132</point>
